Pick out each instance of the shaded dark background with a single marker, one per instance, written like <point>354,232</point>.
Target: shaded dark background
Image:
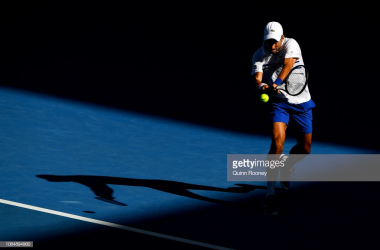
<point>191,60</point>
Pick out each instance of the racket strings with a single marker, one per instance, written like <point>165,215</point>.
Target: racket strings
<point>296,81</point>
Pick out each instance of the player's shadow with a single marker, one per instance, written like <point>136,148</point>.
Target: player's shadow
<point>99,185</point>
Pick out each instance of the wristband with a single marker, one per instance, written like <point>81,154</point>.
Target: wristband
<point>262,85</point>
<point>278,81</point>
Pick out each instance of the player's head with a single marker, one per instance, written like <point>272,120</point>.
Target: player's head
<point>273,37</point>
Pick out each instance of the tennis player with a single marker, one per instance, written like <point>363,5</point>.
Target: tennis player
<point>272,62</point>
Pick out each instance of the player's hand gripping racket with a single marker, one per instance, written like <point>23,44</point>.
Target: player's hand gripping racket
<point>296,81</point>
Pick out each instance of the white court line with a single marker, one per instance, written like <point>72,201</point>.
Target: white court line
<point>109,224</point>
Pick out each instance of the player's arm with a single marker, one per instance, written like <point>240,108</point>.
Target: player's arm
<point>257,78</point>
<point>257,70</point>
<point>288,65</point>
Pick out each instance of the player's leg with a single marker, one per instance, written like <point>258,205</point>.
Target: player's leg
<point>299,151</point>
<point>278,137</point>
<point>277,145</point>
<point>280,119</point>
<point>303,145</point>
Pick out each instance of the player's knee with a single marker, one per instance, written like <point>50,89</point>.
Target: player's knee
<point>279,146</point>
<point>306,148</point>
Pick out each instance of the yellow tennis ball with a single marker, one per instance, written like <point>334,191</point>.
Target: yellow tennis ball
<point>264,98</point>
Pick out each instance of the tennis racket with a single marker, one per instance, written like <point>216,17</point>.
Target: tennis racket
<point>296,81</point>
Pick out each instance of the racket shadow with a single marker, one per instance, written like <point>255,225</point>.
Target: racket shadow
<point>99,186</point>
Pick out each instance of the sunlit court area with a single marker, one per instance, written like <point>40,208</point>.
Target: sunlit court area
<point>116,121</point>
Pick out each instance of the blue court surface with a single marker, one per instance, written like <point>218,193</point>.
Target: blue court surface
<point>76,174</point>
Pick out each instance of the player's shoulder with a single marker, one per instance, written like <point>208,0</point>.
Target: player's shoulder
<point>290,42</point>
<point>259,51</point>
<point>259,54</point>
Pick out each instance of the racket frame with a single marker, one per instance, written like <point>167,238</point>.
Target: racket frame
<point>285,82</point>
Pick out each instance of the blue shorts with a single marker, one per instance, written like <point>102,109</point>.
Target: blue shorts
<point>301,114</point>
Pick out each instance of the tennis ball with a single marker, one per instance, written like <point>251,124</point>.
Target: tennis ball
<point>264,98</point>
